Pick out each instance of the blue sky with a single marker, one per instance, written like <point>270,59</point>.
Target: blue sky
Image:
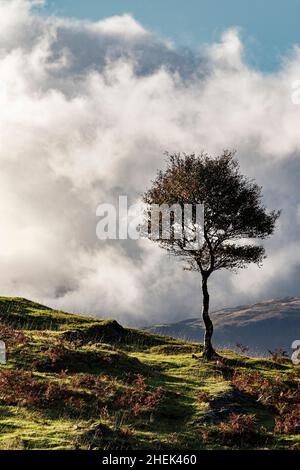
<point>269,27</point>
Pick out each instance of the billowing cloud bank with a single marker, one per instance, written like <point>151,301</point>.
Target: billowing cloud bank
<point>86,112</point>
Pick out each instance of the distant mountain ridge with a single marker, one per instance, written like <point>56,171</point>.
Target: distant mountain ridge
<point>261,327</point>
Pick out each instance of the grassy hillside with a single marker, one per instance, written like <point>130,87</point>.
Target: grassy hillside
<point>73,382</point>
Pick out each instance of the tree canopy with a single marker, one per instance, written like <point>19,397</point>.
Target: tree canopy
<point>234,215</point>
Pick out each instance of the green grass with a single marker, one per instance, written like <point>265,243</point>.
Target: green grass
<point>56,341</point>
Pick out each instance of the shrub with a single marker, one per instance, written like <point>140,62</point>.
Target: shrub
<point>240,429</point>
<point>239,425</point>
<point>288,422</point>
<point>242,348</point>
<point>103,387</point>
<point>138,399</point>
<point>273,392</point>
<point>11,337</point>
<point>279,355</point>
<point>283,397</point>
<point>25,389</point>
<point>102,437</point>
<point>203,396</point>
<point>126,432</point>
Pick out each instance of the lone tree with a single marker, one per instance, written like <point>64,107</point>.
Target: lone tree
<point>233,217</point>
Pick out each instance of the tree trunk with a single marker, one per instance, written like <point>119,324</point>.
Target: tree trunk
<point>208,351</point>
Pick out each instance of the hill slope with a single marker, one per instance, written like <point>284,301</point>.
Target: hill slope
<point>261,327</point>
<point>73,382</point>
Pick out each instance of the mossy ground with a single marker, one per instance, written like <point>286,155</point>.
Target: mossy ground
<point>57,341</point>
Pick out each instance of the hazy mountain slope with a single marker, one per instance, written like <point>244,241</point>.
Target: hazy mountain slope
<point>262,326</point>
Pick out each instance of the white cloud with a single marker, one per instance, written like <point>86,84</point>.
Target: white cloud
<point>86,112</point>
<point>124,25</point>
